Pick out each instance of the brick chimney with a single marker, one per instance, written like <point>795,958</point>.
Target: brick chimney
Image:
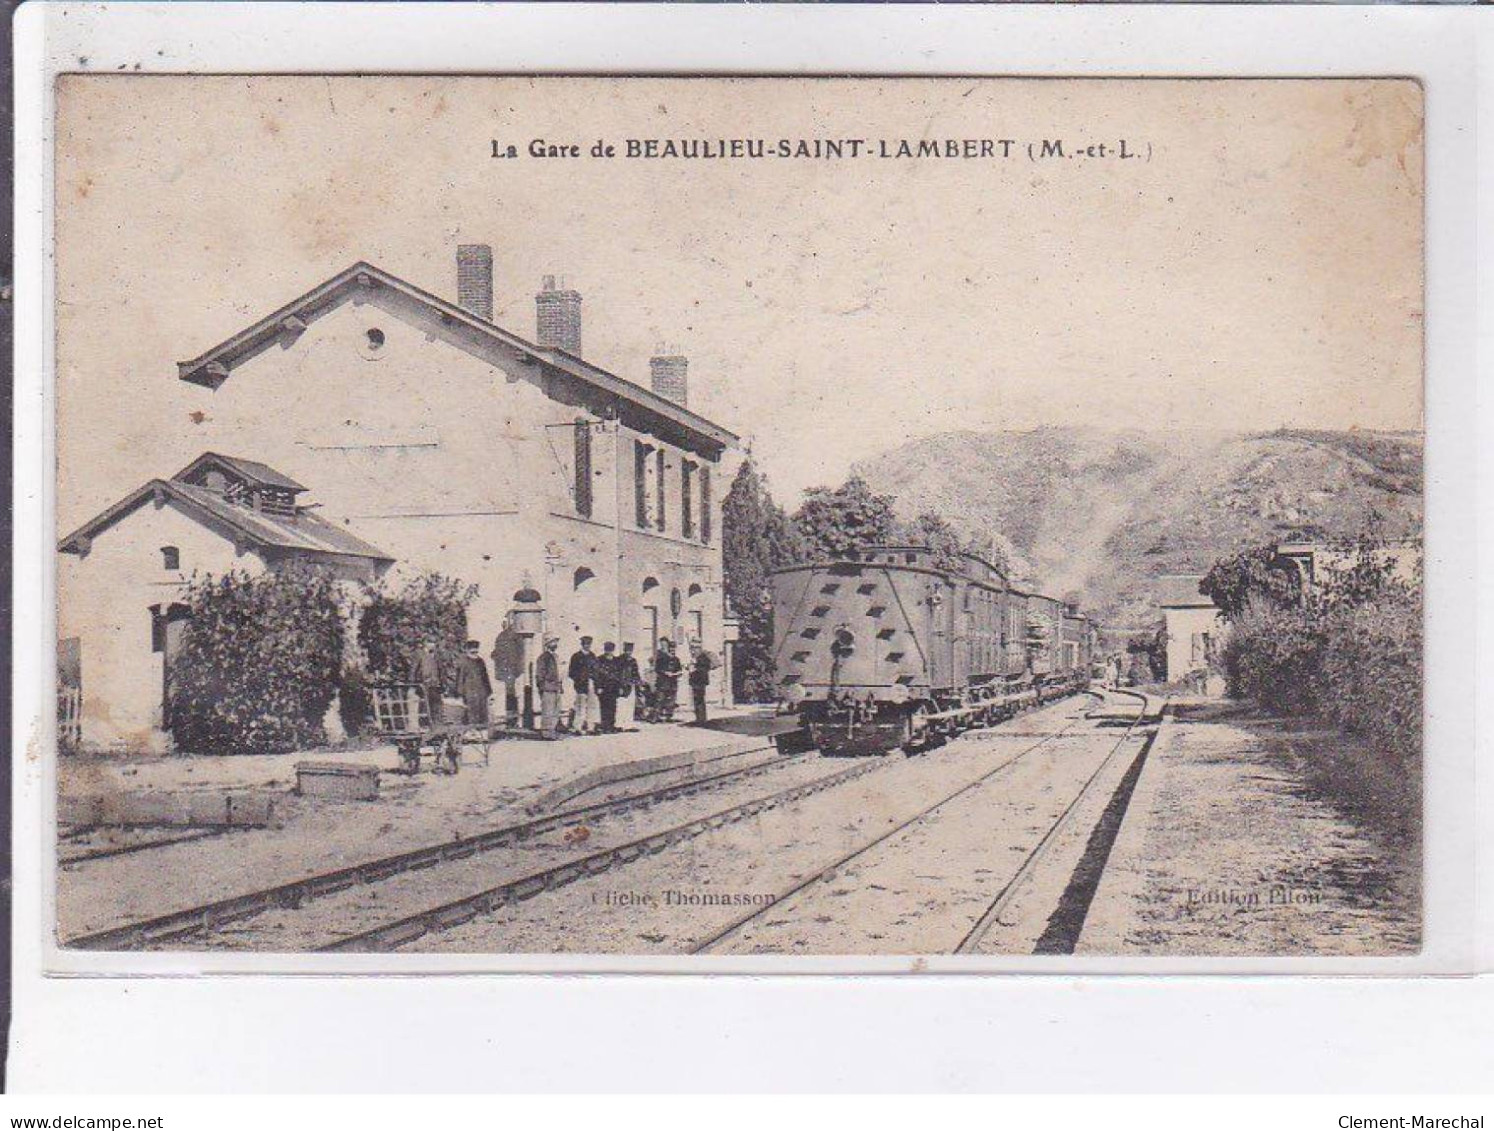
<point>669,371</point>
<point>475,279</point>
<point>558,316</point>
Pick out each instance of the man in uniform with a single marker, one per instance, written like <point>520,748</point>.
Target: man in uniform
<point>427,673</point>
<point>581,671</point>
<point>547,676</point>
<point>667,679</point>
<point>473,685</point>
<point>701,663</point>
<point>632,681</point>
<point>607,683</point>
<point>508,669</point>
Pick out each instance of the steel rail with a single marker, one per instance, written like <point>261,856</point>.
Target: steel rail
<point>206,917</point>
<point>390,936</point>
<point>824,873</point>
<point>1004,897</point>
<point>66,861</point>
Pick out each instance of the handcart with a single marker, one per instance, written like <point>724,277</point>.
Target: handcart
<point>403,716</point>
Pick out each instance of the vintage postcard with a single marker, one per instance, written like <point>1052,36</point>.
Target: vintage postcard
<point>739,517</point>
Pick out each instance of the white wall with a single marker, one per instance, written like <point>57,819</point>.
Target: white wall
<point>104,599</point>
<point>461,464</point>
<point>1182,625</point>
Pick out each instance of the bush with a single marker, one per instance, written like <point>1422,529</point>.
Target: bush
<point>395,624</point>
<point>1351,655</point>
<point>1372,673</point>
<point>1274,656</point>
<point>259,662</point>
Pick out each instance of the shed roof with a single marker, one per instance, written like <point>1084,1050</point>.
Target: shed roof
<point>252,470</point>
<point>305,534</point>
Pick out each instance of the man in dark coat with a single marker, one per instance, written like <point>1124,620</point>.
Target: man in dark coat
<point>667,670</point>
<point>427,673</point>
<point>473,685</point>
<point>701,663</point>
<point>632,683</point>
<point>581,671</point>
<point>547,677</point>
<point>608,682</point>
<point>508,669</point>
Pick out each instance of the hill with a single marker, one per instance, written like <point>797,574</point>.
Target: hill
<point>1104,513</point>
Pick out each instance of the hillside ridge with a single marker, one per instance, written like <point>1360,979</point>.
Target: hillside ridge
<point>1102,513</point>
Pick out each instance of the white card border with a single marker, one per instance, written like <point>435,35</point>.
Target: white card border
<point>1438,45</point>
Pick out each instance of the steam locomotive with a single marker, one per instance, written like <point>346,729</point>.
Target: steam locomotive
<point>903,646</point>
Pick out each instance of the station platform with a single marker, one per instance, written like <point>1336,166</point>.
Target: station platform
<point>309,836</point>
<point>1250,835</point>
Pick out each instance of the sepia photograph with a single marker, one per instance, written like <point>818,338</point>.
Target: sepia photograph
<point>738,517</point>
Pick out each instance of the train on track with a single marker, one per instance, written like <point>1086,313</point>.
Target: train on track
<point>895,647</point>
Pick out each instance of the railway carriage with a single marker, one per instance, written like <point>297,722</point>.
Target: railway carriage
<point>899,646</point>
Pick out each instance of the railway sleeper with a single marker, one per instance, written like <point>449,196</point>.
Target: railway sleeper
<point>526,889</point>
<point>449,917</point>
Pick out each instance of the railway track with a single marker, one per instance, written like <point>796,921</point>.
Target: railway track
<point>294,894</point>
<point>971,943</point>
<point>71,856</point>
<point>202,922</point>
<point>706,945</point>
<point>399,932</point>
<point>390,936</point>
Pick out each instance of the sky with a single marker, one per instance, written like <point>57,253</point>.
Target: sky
<point>1257,264</point>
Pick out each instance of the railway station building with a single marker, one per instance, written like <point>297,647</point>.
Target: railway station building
<point>123,576</point>
<point>458,446</point>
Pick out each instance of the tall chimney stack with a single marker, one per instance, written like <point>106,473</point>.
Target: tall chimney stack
<point>475,279</point>
<point>558,316</point>
<point>669,371</point>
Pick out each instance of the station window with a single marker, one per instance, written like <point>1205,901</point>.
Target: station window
<point>705,505</point>
<point>687,500</point>
<point>583,467</point>
<point>660,482</point>
<point>171,558</point>
<point>581,577</point>
<point>640,483</point>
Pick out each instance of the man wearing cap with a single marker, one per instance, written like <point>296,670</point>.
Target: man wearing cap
<point>667,668</point>
<point>701,663</point>
<point>473,684</point>
<point>607,680</point>
<point>508,668</point>
<point>632,682</point>
<point>582,673</point>
<point>547,677</point>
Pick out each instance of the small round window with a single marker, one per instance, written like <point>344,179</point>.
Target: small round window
<point>375,338</point>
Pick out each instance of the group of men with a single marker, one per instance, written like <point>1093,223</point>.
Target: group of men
<point>602,682</point>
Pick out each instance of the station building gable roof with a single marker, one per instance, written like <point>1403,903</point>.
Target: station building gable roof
<point>607,391</point>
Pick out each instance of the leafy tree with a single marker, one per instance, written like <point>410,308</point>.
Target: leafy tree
<point>934,531</point>
<point>259,662</point>
<point>756,538</point>
<point>835,522</point>
<point>983,544</point>
<point>1250,578</point>
<point>395,624</point>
